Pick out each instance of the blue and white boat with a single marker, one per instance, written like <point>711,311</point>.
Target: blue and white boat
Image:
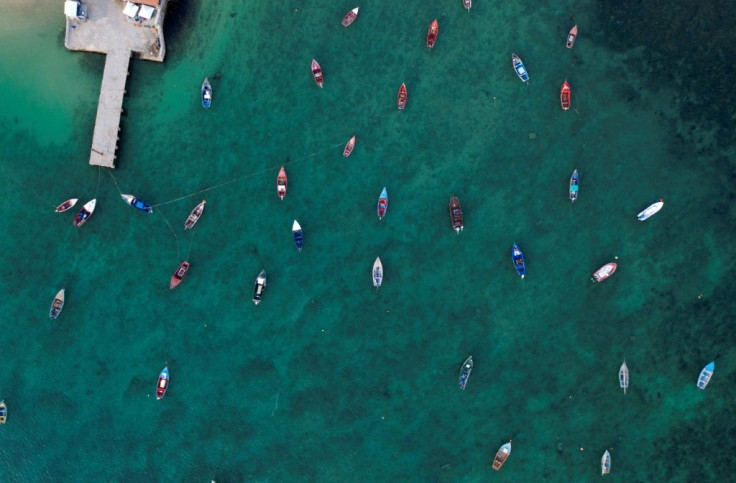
<point>651,210</point>
<point>465,372</point>
<point>382,203</point>
<point>574,182</point>
<point>206,93</point>
<point>137,204</point>
<point>518,258</point>
<point>519,68</point>
<point>296,230</point>
<point>706,374</point>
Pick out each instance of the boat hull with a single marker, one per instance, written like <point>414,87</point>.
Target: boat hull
<point>465,372</point>
<point>650,210</point>
<point>178,276</point>
<point>3,412</point>
<point>260,286</point>
<point>296,231</point>
<point>317,73</point>
<point>139,205</point>
<point>349,147</point>
<point>434,29</point>
<point>565,96</point>
<point>402,97</point>
<point>281,183</point>
<point>163,383</point>
<point>382,206</point>
<point>571,36</point>
<point>623,377</point>
<point>194,216</point>
<point>501,456</point>
<point>519,68</point>
<point>350,17</point>
<point>705,375</point>
<point>67,205</point>
<point>606,463</point>
<point>206,93</point>
<point>456,215</point>
<point>57,305</point>
<point>517,257</point>
<point>85,213</point>
<point>574,186</point>
<point>377,273</point>
<point>467,4</point>
<point>604,272</point>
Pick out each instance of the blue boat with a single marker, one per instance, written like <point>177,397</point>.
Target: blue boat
<point>137,204</point>
<point>518,258</point>
<point>706,374</point>
<point>296,230</point>
<point>519,68</point>
<point>206,93</point>
<point>574,182</point>
<point>382,203</point>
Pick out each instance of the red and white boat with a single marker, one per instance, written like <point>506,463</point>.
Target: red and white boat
<point>401,98</point>
<point>350,17</point>
<point>317,73</point>
<point>68,204</point>
<point>565,94</point>
<point>85,213</point>
<point>572,36</point>
<point>467,4</point>
<point>281,183</point>
<point>434,29</point>
<point>604,272</point>
<point>179,275</point>
<point>349,147</point>
<point>163,383</point>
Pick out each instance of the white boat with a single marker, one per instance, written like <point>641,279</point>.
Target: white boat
<point>706,374</point>
<point>501,456</point>
<point>85,213</point>
<point>194,216</point>
<point>377,273</point>
<point>606,463</point>
<point>623,377</point>
<point>651,210</point>
<point>57,305</point>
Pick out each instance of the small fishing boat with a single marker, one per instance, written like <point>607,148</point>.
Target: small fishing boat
<point>382,203</point>
<point>565,94</point>
<point>57,305</point>
<point>465,372</point>
<point>68,204</point>
<point>604,272</point>
<point>194,216</point>
<point>163,383</point>
<point>501,456</point>
<point>623,377</point>
<point>296,230</point>
<point>401,98</point>
<point>467,4</point>
<point>349,147</point>
<point>518,258</point>
<point>606,463</point>
<point>377,273</point>
<point>456,215</point>
<point>317,73</point>
<point>85,213</point>
<point>179,275</point>
<point>281,182</point>
<point>574,185</point>
<point>571,36</point>
<point>3,412</point>
<point>259,287</point>
<point>519,68</point>
<point>350,17</point>
<point>434,29</point>
<point>137,204</point>
<point>706,374</point>
<point>206,93</point>
<point>651,210</point>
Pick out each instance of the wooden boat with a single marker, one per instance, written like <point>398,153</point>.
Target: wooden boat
<point>377,273</point>
<point>3,412</point>
<point>57,305</point>
<point>137,204</point>
<point>518,258</point>
<point>401,98</point>
<point>456,215</point>
<point>163,383</point>
<point>260,287</point>
<point>623,377</point>
<point>68,204</point>
<point>281,182</point>
<point>574,185</point>
<point>501,456</point>
<point>382,203</point>
<point>349,147</point>
<point>572,36</point>
<point>350,17</point>
<point>179,275</point>
<point>519,68</point>
<point>296,231</point>
<point>604,272</point>
<point>434,29</point>
<point>606,463</point>
<point>85,213</point>
<point>317,73</point>
<point>194,216</point>
<point>565,94</point>
<point>467,4</point>
<point>651,210</point>
<point>706,374</point>
<point>465,372</point>
<point>206,93</point>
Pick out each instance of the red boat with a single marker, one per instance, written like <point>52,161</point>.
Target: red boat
<point>317,73</point>
<point>604,272</point>
<point>401,99</point>
<point>163,383</point>
<point>434,29</point>
<point>349,147</point>
<point>179,275</point>
<point>467,4</point>
<point>572,36</point>
<point>281,183</point>
<point>68,204</point>
<point>350,17</point>
<point>565,94</point>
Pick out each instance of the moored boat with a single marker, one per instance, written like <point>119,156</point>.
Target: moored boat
<point>179,275</point>
<point>501,456</point>
<point>434,29</point>
<point>194,216</point>
<point>465,372</point>
<point>565,95</point>
<point>85,213</point>
<point>349,147</point>
<point>706,374</point>
<point>518,258</point>
<point>206,93</point>
<point>571,36</point>
<point>467,4</point>
<point>456,215</point>
<point>606,463</point>
<point>296,231</point>
<point>281,182</point>
<point>259,287</point>
<point>137,204</point>
<point>401,97</point>
<point>163,383</point>
<point>350,17</point>
<point>57,305</point>
<point>382,203</point>
<point>574,185</point>
<point>604,272</point>
<point>317,73</point>
<point>651,210</point>
<point>623,377</point>
<point>377,273</point>
<point>68,204</point>
<point>519,68</point>
<point>3,412</point>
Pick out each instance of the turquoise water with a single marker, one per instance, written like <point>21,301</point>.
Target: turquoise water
<point>328,379</point>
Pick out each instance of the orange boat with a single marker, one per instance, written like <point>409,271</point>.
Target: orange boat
<point>281,183</point>
<point>350,17</point>
<point>401,98</point>
<point>501,456</point>
<point>349,147</point>
<point>565,94</point>
<point>179,275</point>
<point>434,29</point>
<point>571,37</point>
<point>317,73</point>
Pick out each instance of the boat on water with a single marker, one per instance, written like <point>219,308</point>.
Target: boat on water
<point>163,383</point>
<point>606,463</point>
<point>206,93</point>
<point>382,203</point>
<point>194,216</point>
<point>67,205</point>
<point>456,215</point>
<point>377,273</point>
<point>281,182</point>
<point>571,36</point>
<point>574,185</point>
<point>519,68</point>
<point>401,97</point>
<point>501,456</point>
<point>565,95</point>
<point>137,204</point>
<point>259,287</point>
<point>57,305</point>
<point>85,213</point>
<point>317,73</point>
<point>350,17</point>
<point>434,29</point>
<point>179,275</point>
<point>3,412</point>
<point>467,4</point>
<point>296,230</point>
<point>651,210</point>
<point>604,272</point>
<point>518,258</point>
<point>465,372</point>
<point>623,377</point>
<point>349,147</point>
<point>706,374</point>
